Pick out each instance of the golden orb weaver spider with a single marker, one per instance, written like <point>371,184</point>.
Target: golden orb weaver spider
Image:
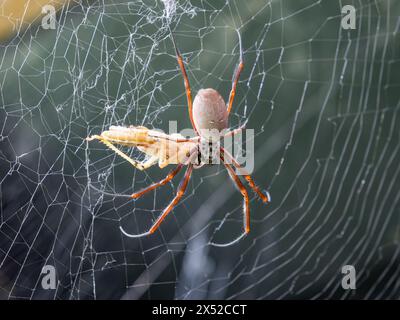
<point>208,111</point>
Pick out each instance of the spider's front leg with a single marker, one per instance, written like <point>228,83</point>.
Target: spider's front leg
<point>185,80</point>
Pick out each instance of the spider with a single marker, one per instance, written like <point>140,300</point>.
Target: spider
<point>207,112</point>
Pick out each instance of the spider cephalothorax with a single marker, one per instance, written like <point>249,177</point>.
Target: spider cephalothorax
<point>209,117</point>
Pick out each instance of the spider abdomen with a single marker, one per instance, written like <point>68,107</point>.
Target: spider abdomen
<point>209,111</point>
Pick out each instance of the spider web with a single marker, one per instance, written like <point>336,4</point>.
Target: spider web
<point>322,102</point>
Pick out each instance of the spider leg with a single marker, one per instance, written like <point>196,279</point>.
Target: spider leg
<point>137,164</point>
<point>243,191</point>
<point>237,73</point>
<point>160,183</point>
<point>168,209</point>
<point>185,79</point>
<point>265,197</point>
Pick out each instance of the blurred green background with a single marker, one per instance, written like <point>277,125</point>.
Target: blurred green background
<point>323,102</point>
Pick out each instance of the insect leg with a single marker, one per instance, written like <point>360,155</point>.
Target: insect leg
<point>137,164</point>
